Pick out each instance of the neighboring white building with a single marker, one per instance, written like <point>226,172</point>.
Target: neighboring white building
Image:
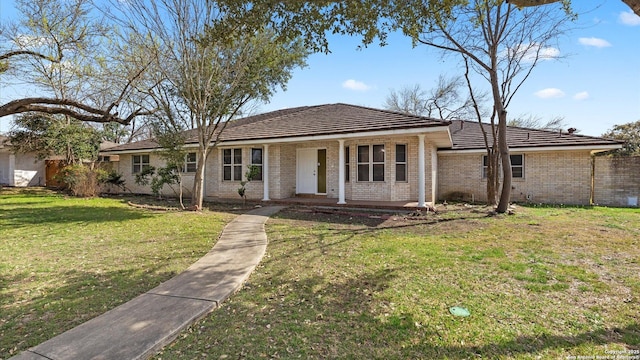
<point>20,169</point>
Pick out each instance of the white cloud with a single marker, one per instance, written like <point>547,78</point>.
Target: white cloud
<point>355,85</point>
<point>629,18</point>
<point>583,95</point>
<point>32,41</point>
<point>549,93</point>
<point>596,42</point>
<point>528,52</point>
<point>549,53</point>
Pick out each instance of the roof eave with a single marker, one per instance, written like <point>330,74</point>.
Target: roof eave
<point>320,137</point>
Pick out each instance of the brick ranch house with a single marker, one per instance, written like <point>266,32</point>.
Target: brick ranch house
<point>353,153</point>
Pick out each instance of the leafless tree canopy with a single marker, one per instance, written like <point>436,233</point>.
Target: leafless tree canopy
<point>445,101</point>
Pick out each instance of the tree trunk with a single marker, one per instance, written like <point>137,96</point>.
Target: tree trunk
<point>198,181</point>
<point>493,182</point>
<point>503,148</point>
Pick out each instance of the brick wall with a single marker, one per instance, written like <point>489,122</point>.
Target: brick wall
<point>217,187</point>
<point>553,177</point>
<point>390,189</point>
<point>124,167</point>
<point>283,168</point>
<point>616,180</point>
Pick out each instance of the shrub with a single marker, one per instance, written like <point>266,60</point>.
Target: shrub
<point>113,179</point>
<point>82,180</point>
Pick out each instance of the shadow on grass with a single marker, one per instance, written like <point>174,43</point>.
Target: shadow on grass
<point>26,321</point>
<point>279,315</point>
<point>24,216</point>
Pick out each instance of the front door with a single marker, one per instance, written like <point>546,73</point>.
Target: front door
<point>307,174</point>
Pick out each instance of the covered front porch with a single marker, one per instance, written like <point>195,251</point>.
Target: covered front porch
<point>360,204</point>
<point>370,170</point>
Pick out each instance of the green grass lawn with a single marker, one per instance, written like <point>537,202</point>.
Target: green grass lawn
<point>66,260</point>
<point>546,283</point>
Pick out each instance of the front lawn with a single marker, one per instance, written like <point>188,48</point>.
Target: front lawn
<point>546,283</point>
<point>66,260</point>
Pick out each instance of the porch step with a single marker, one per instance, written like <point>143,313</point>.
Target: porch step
<point>311,196</point>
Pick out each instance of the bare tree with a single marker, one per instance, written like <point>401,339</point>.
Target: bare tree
<point>501,45</point>
<point>203,77</point>
<point>530,121</point>
<point>61,48</point>
<point>444,101</point>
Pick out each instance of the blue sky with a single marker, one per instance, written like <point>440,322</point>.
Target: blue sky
<point>596,86</point>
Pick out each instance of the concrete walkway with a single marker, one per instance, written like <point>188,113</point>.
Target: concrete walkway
<point>139,328</point>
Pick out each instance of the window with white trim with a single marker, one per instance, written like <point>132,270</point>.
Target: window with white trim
<point>232,164</point>
<point>371,162</point>
<point>256,160</point>
<point>190,163</point>
<point>401,162</point>
<point>139,163</point>
<point>517,166</point>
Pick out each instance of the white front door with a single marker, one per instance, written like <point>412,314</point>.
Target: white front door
<point>306,179</point>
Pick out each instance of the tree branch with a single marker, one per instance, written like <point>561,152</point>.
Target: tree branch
<point>67,107</point>
<point>10,54</point>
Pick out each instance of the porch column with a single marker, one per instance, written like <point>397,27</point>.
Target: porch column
<point>265,173</point>
<point>341,172</point>
<point>434,175</point>
<point>421,170</point>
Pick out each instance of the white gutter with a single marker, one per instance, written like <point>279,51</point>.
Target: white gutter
<point>592,148</point>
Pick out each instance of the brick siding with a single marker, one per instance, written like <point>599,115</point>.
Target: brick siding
<point>616,180</point>
<point>554,177</point>
<point>282,172</point>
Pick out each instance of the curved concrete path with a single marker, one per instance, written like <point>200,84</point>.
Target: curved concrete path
<point>141,327</point>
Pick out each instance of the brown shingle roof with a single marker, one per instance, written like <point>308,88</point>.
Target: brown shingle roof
<point>327,120</point>
<point>467,135</point>
<point>332,119</point>
<point>335,119</point>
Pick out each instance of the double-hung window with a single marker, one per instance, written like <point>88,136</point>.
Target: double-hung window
<point>139,163</point>
<point>371,162</point>
<point>232,164</point>
<point>401,162</point>
<point>190,163</point>
<point>517,166</point>
<point>256,160</point>
<point>347,168</point>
